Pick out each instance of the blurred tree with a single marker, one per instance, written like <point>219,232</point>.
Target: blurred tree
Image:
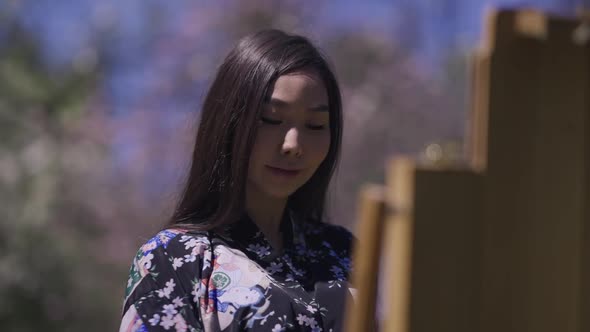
<point>392,106</point>
<point>48,279</point>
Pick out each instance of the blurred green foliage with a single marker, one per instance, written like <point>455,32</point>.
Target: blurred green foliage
<point>49,281</point>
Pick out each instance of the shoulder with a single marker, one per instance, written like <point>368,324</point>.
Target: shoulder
<point>165,279</point>
<point>332,246</point>
<point>167,255</point>
<point>173,240</point>
<point>335,236</point>
<point>321,228</point>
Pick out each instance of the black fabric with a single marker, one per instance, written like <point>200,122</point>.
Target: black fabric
<point>235,281</point>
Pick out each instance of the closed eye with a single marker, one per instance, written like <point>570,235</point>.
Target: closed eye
<point>320,127</point>
<point>278,122</point>
<point>269,121</point>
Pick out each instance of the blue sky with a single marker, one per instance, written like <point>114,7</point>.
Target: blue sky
<point>65,28</point>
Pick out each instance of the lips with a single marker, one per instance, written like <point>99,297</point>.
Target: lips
<point>282,171</point>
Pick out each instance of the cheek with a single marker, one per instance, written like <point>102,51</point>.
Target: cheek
<point>260,149</point>
<point>253,160</point>
<point>318,148</point>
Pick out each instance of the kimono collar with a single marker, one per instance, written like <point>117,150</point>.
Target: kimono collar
<point>248,235</point>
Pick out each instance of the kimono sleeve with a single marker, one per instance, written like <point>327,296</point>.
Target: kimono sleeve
<point>165,282</point>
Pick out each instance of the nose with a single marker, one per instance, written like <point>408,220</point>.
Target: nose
<point>291,144</point>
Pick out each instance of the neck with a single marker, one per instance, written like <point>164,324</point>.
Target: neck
<point>266,212</point>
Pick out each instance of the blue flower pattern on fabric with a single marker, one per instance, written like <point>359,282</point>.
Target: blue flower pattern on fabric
<point>234,279</point>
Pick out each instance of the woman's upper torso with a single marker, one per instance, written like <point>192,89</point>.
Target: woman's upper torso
<point>193,281</point>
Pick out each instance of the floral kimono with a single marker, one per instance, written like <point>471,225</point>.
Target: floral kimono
<point>204,281</point>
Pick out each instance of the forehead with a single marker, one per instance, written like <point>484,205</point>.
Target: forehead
<point>300,86</point>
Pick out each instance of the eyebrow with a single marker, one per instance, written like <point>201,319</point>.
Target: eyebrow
<point>278,103</point>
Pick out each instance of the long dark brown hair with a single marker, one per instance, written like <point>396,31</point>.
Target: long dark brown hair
<point>214,194</point>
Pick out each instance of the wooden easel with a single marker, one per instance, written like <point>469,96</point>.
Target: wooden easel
<point>502,244</point>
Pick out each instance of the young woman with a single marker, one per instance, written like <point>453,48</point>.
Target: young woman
<point>246,248</point>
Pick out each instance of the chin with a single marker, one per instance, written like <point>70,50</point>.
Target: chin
<point>280,194</point>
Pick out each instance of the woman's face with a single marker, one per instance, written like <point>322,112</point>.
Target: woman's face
<point>293,136</point>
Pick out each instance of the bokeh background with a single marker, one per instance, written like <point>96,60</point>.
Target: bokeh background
<point>99,102</point>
